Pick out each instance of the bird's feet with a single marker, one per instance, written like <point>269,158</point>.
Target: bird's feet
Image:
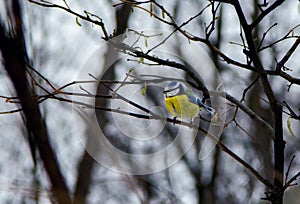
<point>174,120</point>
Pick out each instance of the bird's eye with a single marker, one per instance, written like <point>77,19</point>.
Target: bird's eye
<point>172,89</point>
<point>172,92</point>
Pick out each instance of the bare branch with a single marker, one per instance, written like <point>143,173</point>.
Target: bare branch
<point>248,88</point>
<point>243,163</point>
<point>289,53</point>
<point>67,9</point>
<point>285,37</point>
<point>289,183</point>
<point>288,170</point>
<point>286,76</point>
<point>251,114</point>
<point>265,34</point>
<point>254,56</point>
<point>265,13</point>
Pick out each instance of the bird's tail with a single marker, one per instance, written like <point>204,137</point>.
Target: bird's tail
<point>209,109</point>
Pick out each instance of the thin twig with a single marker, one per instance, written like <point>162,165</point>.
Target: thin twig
<point>67,9</point>
<point>248,88</point>
<point>265,34</point>
<point>265,13</point>
<point>288,170</point>
<point>289,183</point>
<point>251,114</point>
<point>285,37</point>
<point>287,56</point>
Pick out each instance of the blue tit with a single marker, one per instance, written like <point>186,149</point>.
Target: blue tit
<point>181,102</point>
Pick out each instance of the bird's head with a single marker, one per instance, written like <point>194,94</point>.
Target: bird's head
<point>173,88</point>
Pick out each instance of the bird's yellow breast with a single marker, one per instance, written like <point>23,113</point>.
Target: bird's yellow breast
<point>181,106</point>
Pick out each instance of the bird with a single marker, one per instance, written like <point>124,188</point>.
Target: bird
<point>181,102</point>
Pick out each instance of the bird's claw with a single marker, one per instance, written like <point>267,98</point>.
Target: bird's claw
<point>174,120</point>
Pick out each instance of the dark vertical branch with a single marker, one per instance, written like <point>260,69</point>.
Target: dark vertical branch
<point>276,108</point>
<point>263,146</point>
<point>14,57</point>
<point>279,146</point>
<point>252,53</point>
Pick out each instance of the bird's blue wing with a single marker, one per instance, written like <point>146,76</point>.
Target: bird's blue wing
<point>196,100</point>
<point>193,99</point>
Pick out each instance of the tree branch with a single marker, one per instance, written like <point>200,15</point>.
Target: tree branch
<point>287,56</point>
<point>265,13</point>
<point>251,114</point>
<point>252,53</point>
<point>67,9</point>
